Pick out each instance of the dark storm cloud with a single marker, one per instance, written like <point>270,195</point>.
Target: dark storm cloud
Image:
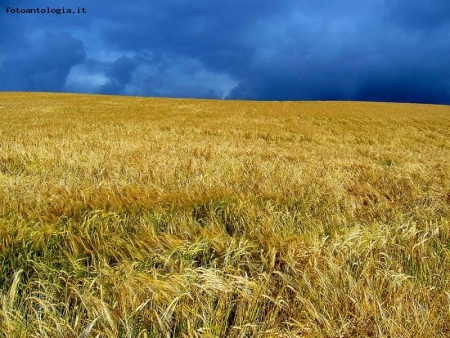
<point>366,57</point>
<point>119,76</point>
<point>384,50</point>
<point>11,36</point>
<point>378,63</point>
<point>44,66</point>
<point>420,15</point>
<point>216,32</point>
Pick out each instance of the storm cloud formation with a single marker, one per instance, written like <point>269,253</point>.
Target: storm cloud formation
<point>375,50</point>
<point>44,66</point>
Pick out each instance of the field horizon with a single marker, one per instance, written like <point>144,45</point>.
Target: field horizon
<point>125,216</point>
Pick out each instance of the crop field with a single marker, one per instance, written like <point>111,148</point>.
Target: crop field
<point>151,217</point>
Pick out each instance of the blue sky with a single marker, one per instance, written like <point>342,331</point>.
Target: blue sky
<point>371,50</point>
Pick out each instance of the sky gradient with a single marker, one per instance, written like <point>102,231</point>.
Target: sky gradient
<point>365,50</point>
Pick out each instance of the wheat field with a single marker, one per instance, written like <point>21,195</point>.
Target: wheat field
<point>151,217</point>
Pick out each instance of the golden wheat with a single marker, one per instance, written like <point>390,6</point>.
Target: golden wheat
<point>143,217</point>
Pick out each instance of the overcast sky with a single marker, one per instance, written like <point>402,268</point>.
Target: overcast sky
<point>371,50</point>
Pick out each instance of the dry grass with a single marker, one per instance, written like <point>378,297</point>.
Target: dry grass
<point>140,217</point>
